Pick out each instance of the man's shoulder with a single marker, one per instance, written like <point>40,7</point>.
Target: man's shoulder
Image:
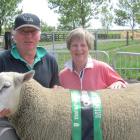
<point>43,53</point>
<point>49,56</point>
<point>4,53</point>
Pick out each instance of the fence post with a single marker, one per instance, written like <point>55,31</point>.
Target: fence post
<point>95,40</point>
<point>127,38</point>
<point>53,40</point>
<point>7,40</point>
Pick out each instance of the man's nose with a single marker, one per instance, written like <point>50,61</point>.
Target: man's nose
<point>29,33</point>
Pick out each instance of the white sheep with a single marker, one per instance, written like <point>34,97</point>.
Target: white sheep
<point>39,113</point>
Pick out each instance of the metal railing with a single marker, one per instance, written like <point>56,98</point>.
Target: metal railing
<point>128,65</point>
<point>1,41</point>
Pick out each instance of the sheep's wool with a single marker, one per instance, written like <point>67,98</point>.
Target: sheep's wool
<point>45,114</point>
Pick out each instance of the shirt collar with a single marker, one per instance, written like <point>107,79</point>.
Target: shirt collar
<point>39,54</point>
<point>69,64</point>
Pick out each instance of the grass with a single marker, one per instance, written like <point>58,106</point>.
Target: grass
<point>119,46</point>
<point>127,66</point>
<point>109,45</point>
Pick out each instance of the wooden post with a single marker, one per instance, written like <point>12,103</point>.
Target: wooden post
<point>53,40</point>
<point>7,40</point>
<point>95,41</point>
<point>127,38</point>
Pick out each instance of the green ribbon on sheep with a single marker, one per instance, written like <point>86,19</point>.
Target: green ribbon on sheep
<point>76,115</point>
<point>97,107</point>
<point>83,123</point>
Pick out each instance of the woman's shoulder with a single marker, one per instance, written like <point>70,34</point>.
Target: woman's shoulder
<point>101,64</point>
<point>64,71</point>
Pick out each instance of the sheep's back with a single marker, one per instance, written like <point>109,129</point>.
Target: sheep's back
<point>120,117</point>
<point>121,113</point>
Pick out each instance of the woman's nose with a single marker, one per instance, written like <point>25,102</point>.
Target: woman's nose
<point>79,47</point>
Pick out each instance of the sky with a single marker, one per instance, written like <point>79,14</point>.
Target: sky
<point>40,8</point>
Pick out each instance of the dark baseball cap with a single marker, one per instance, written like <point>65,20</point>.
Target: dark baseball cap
<point>27,20</point>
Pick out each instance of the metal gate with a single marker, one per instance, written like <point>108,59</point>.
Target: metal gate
<point>128,65</point>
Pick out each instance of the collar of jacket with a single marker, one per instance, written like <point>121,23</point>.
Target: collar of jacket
<point>39,54</point>
<point>89,64</point>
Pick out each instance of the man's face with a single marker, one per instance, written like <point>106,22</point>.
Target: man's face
<point>27,38</point>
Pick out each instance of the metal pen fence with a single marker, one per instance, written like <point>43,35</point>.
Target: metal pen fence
<point>128,65</point>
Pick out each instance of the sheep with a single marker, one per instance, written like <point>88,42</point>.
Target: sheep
<point>39,113</point>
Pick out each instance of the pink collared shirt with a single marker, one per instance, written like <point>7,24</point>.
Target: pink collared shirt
<point>96,75</point>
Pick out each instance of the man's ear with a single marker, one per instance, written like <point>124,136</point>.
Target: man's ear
<point>28,75</point>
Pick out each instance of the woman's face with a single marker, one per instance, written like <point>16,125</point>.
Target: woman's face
<point>79,51</point>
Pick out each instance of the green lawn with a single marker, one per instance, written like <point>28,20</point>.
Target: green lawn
<point>134,46</point>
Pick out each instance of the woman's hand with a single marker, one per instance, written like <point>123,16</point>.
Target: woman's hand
<point>57,87</point>
<point>118,85</point>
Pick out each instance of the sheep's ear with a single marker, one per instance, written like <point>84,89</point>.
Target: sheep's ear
<point>19,79</point>
<point>28,75</point>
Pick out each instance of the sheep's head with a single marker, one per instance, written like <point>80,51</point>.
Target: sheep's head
<point>10,86</point>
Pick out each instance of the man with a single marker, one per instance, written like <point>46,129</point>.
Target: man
<point>25,56</point>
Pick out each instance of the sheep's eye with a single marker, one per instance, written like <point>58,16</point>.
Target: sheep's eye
<point>7,85</point>
<point>4,87</point>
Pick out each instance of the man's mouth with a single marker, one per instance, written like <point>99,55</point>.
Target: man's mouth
<point>28,42</point>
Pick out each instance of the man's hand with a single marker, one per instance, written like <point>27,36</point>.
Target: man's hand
<point>4,113</point>
<point>117,85</point>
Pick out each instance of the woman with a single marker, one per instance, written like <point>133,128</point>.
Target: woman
<point>83,72</point>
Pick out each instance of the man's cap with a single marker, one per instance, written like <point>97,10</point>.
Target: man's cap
<point>27,20</point>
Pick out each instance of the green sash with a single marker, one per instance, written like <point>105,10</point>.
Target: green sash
<point>76,114</point>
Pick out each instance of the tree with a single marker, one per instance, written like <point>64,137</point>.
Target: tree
<point>106,15</point>
<point>46,28</point>
<point>127,13</point>
<point>72,13</point>
<point>8,10</point>
<point>138,18</point>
